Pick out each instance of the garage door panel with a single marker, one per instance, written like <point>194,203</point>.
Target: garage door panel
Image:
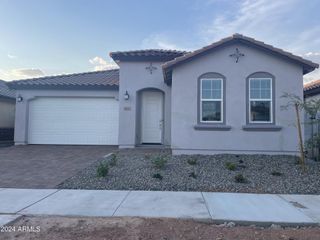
<point>92,121</point>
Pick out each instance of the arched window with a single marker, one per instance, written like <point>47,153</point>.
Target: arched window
<point>260,98</point>
<point>211,98</point>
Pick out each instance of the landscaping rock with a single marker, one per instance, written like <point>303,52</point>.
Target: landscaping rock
<point>134,171</point>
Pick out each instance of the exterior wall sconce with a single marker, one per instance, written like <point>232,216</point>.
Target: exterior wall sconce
<point>19,99</point>
<point>126,96</point>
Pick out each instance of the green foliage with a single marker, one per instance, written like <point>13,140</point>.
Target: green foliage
<point>158,176</point>
<point>313,142</point>
<point>193,175</point>
<point>159,161</point>
<point>192,161</point>
<point>276,173</point>
<point>292,100</point>
<point>230,166</point>
<point>239,178</point>
<point>102,169</point>
<point>113,160</point>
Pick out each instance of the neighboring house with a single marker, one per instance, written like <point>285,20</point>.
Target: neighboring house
<point>311,91</point>
<point>223,98</point>
<point>7,110</point>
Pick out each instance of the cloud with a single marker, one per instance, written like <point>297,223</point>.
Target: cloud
<point>11,56</point>
<point>250,17</point>
<point>305,41</point>
<point>270,21</point>
<point>314,57</point>
<point>310,54</point>
<point>101,64</point>
<point>31,72</point>
<point>21,73</point>
<point>159,40</point>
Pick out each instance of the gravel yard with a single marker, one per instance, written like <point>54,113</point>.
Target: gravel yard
<point>134,170</point>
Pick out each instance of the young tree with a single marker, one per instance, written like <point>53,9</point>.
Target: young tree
<point>311,107</point>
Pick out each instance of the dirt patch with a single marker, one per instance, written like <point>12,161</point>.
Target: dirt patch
<point>142,229</point>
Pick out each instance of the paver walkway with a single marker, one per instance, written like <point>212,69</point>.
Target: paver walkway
<point>218,207</point>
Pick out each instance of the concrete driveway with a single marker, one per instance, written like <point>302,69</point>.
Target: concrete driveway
<point>45,166</point>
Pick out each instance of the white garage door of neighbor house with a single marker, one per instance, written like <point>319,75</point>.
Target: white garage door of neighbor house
<point>73,121</point>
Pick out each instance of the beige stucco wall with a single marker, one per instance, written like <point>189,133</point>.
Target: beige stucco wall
<point>133,78</point>
<point>185,139</point>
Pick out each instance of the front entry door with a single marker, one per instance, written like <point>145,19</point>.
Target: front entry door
<point>152,117</point>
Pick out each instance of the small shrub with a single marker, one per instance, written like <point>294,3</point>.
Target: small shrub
<point>230,166</point>
<point>239,178</point>
<point>102,169</point>
<point>158,176</point>
<point>159,161</point>
<point>276,173</point>
<point>241,161</point>
<point>193,175</point>
<point>192,161</point>
<point>113,160</point>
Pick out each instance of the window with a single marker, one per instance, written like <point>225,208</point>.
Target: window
<point>211,100</point>
<point>260,100</point>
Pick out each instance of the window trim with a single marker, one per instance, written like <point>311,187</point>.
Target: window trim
<point>271,100</point>
<point>212,100</point>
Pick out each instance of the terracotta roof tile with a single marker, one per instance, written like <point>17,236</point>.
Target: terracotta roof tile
<point>311,85</point>
<point>97,79</point>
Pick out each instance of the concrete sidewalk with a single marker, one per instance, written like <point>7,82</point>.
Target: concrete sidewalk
<point>260,209</point>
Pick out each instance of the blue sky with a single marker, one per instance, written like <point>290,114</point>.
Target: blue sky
<point>49,37</point>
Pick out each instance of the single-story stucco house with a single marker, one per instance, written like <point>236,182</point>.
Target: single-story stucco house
<point>311,91</point>
<point>222,98</point>
<point>7,111</point>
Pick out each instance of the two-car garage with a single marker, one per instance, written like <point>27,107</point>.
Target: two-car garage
<point>87,121</point>
<point>73,109</point>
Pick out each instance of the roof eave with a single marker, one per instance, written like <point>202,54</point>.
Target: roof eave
<point>311,92</point>
<point>7,98</point>
<point>62,87</point>
<point>308,66</point>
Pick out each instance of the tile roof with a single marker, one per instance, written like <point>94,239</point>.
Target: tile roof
<point>5,91</point>
<point>108,79</point>
<point>311,85</point>
<point>146,55</point>
<point>311,88</point>
<point>308,66</point>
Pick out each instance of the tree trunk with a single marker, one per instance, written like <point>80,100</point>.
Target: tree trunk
<point>312,140</point>
<point>302,162</point>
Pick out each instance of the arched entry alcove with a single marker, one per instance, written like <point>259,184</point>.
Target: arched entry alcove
<point>150,116</point>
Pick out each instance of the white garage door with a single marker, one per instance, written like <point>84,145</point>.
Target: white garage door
<point>78,121</point>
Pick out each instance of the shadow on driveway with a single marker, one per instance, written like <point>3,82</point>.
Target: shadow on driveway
<point>45,166</point>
